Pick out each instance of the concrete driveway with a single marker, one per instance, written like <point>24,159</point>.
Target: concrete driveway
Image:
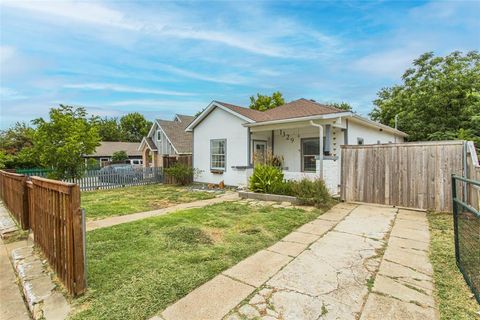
<point>353,262</point>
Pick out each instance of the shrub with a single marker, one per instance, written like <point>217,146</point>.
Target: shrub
<point>119,156</point>
<point>182,173</point>
<point>311,192</point>
<point>93,164</point>
<point>265,179</point>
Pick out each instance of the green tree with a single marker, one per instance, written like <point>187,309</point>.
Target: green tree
<point>264,103</point>
<point>109,129</point>
<point>16,143</point>
<point>439,98</point>
<point>134,126</point>
<point>61,141</point>
<point>341,105</point>
<point>119,156</point>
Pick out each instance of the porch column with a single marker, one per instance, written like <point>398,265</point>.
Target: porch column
<point>145,158</point>
<point>320,142</point>
<point>327,138</point>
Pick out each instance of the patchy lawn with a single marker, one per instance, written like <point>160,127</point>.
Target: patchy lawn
<point>116,202</point>
<point>452,293</point>
<point>139,268</point>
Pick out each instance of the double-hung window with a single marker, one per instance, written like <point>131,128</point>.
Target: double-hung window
<point>310,150</point>
<point>218,154</point>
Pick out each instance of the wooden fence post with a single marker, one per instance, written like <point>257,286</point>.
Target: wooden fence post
<point>78,252</point>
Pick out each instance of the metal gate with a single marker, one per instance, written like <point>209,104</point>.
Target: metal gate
<point>466,220</point>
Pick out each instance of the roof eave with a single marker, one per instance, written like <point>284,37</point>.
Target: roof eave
<point>214,104</point>
<point>380,125</point>
<point>288,120</point>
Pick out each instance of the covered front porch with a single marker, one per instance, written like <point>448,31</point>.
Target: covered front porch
<point>306,149</point>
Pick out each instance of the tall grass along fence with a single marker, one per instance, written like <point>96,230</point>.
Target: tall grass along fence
<point>466,220</point>
<point>52,209</point>
<point>115,177</point>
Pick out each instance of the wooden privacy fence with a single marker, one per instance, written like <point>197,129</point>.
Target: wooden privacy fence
<point>53,210</point>
<point>14,195</point>
<point>473,173</point>
<point>416,175</point>
<point>169,161</point>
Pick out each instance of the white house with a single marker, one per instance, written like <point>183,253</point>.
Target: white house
<point>226,137</point>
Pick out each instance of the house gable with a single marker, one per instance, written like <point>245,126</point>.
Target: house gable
<point>232,109</point>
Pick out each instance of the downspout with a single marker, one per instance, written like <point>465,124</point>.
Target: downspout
<point>320,156</point>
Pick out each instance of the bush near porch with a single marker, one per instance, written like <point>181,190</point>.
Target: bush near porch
<point>270,179</point>
<point>137,269</point>
<point>116,202</point>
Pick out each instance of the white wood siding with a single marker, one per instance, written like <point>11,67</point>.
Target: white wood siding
<point>220,124</point>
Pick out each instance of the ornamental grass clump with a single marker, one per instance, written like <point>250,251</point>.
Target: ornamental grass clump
<point>265,179</point>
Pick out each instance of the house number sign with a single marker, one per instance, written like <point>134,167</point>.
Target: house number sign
<point>287,136</point>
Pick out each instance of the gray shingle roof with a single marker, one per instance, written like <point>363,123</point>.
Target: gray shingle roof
<point>175,131</point>
<point>295,109</point>
<point>107,148</point>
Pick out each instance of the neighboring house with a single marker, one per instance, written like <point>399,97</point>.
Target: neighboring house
<point>166,138</point>
<point>103,153</point>
<point>226,137</point>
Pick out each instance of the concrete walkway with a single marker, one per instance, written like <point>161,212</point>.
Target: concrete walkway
<point>108,222</point>
<point>343,265</point>
<point>12,306</point>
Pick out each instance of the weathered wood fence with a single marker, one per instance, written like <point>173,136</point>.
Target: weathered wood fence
<point>472,172</point>
<point>169,161</point>
<point>53,211</point>
<point>416,175</point>
<point>14,195</point>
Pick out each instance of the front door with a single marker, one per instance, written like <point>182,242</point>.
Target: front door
<point>259,151</point>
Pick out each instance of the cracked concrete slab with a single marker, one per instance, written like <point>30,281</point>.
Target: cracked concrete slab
<point>211,300</point>
<point>12,306</point>
<point>413,259</point>
<point>379,307</point>
<point>395,289</point>
<point>291,249</point>
<point>317,227</point>
<point>396,242</point>
<point>368,221</point>
<point>331,272</point>
<point>44,301</point>
<point>300,237</point>
<point>258,268</point>
<point>403,287</point>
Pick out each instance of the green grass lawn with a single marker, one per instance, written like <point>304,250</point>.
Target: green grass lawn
<point>452,293</point>
<point>115,202</point>
<point>139,268</point>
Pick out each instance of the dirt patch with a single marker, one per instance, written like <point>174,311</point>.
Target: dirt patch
<point>189,235</point>
<point>215,234</point>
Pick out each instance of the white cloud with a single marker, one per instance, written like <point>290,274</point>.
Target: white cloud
<point>122,88</point>
<point>10,94</point>
<point>224,78</point>
<point>387,63</point>
<point>180,24</point>
<point>86,12</point>
<point>154,104</point>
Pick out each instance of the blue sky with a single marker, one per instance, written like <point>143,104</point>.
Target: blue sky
<point>161,58</point>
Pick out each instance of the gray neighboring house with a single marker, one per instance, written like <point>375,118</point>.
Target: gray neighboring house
<point>104,152</point>
<point>166,137</point>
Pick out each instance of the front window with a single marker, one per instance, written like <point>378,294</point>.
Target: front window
<point>310,150</point>
<point>218,154</point>
<point>159,135</point>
